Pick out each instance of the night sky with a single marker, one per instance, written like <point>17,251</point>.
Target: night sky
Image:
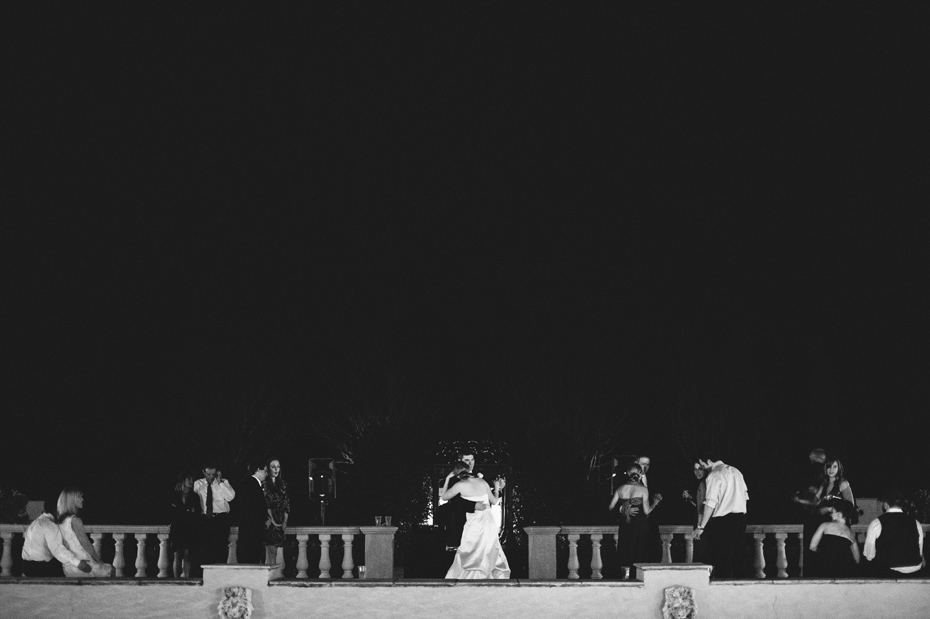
<point>644,210</point>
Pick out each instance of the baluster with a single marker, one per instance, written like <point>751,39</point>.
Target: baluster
<point>347,561</point>
<point>163,555</point>
<point>667,547</point>
<point>233,542</point>
<point>119,561</point>
<point>97,539</point>
<point>782,561</point>
<point>325,563</point>
<point>759,562</point>
<point>6,562</point>
<point>141,564</point>
<point>689,547</point>
<point>302,563</point>
<point>597,564</point>
<point>573,556</point>
<point>800,537</point>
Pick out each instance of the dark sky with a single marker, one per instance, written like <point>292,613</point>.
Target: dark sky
<point>630,199</point>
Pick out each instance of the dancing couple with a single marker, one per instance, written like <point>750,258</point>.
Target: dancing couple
<point>479,554</point>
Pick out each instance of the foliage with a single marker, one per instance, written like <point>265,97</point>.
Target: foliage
<point>13,506</point>
<point>920,505</point>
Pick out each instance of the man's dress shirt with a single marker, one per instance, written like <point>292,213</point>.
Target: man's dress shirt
<point>43,542</point>
<point>874,532</point>
<point>725,491</point>
<point>223,493</point>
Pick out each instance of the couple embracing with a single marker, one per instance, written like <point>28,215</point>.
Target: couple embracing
<point>479,554</point>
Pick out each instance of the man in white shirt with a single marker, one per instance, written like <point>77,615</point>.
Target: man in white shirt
<point>894,542</point>
<point>724,518</point>
<point>213,533</point>
<point>43,551</point>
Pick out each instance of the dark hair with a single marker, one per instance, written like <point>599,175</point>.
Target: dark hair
<point>179,484</point>
<point>840,476</point>
<point>709,454</point>
<point>634,468</point>
<point>275,482</point>
<point>846,508</point>
<point>465,451</point>
<point>256,465</point>
<point>894,498</point>
<point>461,470</point>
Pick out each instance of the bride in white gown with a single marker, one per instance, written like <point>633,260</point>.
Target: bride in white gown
<point>480,555</point>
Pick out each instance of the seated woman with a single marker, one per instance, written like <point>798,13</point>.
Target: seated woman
<point>834,545</point>
<point>70,504</point>
<point>479,555</point>
<point>635,505</point>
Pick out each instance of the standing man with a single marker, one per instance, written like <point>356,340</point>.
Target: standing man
<point>653,540</point>
<point>43,551</point>
<point>213,533</point>
<point>253,515</point>
<point>457,508</point>
<point>724,518</point>
<point>894,542</point>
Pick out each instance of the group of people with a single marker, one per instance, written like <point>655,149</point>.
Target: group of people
<point>893,545</point>
<point>202,515</point>
<point>56,543</point>
<point>721,502</point>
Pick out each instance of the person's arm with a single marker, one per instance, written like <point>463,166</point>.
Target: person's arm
<point>871,534</point>
<point>493,499</point>
<point>854,547</point>
<point>920,542</point>
<point>847,493</point>
<point>650,504</point>
<point>455,490</point>
<point>815,540</point>
<point>287,503</point>
<point>61,552</point>
<point>77,525</point>
<point>224,490</point>
<point>614,500</point>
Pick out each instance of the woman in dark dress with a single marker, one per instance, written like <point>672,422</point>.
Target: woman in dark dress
<point>635,504</point>
<point>279,509</point>
<point>184,509</point>
<point>834,545</point>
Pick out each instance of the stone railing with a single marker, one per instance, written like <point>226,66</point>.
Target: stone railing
<point>767,540</point>
<point>142,551</point>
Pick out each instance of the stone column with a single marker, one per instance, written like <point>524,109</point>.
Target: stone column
<point>542,552</point>
<point>379,552</point>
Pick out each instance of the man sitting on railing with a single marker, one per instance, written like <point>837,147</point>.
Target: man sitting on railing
<point>894,542</point>
<point>43,550</point>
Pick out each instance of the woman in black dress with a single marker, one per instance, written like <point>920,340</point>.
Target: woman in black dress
<point>635,505</point>
<point>184,509</point>
<point>834,545</point>
<point>279,509</point>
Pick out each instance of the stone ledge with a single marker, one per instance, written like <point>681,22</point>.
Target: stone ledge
<point>103,582</point>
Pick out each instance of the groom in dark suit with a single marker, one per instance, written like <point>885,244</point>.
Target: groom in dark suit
<point>457,508</point>
<point>253,513</point>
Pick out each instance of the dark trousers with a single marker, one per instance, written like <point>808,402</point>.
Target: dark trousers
<point>42,569</point>
<point>724,538</point>
<point>250,547</point>
<point>212,540</point>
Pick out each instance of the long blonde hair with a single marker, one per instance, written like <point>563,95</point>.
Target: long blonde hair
<point>67,502</point>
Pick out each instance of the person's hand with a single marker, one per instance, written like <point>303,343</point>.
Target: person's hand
<point>480,507</point>
<point>632,510</point>
<point>686,495</point>
<point>219,477</point>
<point>657,498</point>
<point>84,566</point>
<point>697,533</point>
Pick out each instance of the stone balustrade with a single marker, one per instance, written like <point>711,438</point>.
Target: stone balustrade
<point>135,547</point>
<point>767,540</point>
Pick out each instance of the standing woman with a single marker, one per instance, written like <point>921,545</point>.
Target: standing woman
<point>183,519</point>
<point>635,505</point>
<point>279,508</point>
<point>70,504</point>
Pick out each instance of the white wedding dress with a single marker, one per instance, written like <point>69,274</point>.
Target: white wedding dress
<point>480,555</point>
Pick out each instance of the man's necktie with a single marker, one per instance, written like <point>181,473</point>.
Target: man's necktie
<point>209,499</point>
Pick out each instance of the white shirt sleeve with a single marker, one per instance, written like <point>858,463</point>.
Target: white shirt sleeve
<point>872,534</point>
